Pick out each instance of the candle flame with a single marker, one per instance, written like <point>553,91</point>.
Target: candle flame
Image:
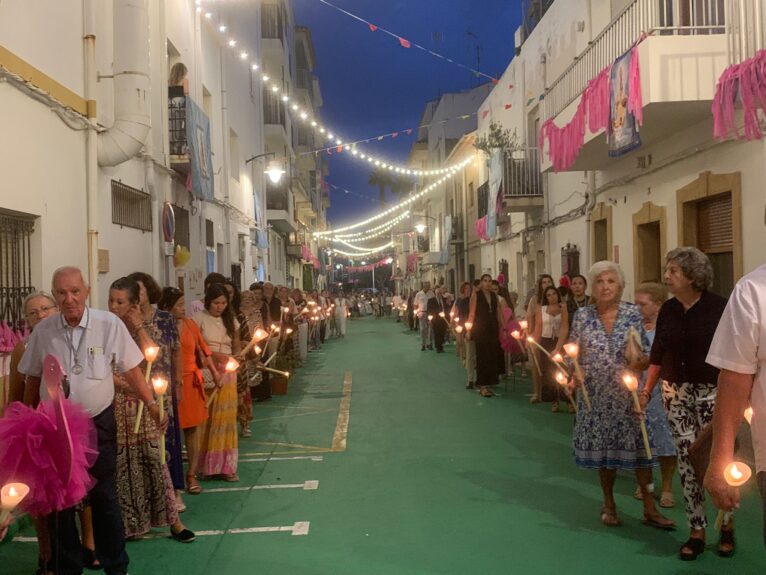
<point>524,324</point>
<point>289,330</point>
<point>441,314</point>
<point>737,473</point>
<point>571,349</point>
<point>260,334</point>
<point>160,385</point>
<point>749,414</point>
<point>515,334</point>
<point>558,358</point>
<point>459,329</point>
<point>151,353</point>
<point>231,365</point>
<point>630,382</point>
<point>530,339</point>
<point>286,309</point>
<point>468,325</point>
<point>561,378</point>
<point>12,491</point>
<point>257,349</point>
<point>12,494</point>
<point>451,314</point>
<point>430,317</point>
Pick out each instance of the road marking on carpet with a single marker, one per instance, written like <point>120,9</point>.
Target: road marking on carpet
<point>297,528</point>
<point>310,485</point>
<point>341,426</point>
<point>295,458</point>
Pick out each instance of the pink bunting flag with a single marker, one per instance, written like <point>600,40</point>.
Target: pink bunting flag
<point>484,114</point>
<point>508,106</point>
<point>373,27</point>
<point>404,43</point>
<point>409,131</point>
<point>394,134</point>
<point>495,80</point>
<point>510,86</point>
<point>339,149</point>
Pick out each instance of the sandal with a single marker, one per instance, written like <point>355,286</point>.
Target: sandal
<point>609,517</point>
<point>192,487</point>
<point>231,478</point>
<point>726,544</point>
<point>691,549</point>
<point>666,500</point>
<point>486,392</point>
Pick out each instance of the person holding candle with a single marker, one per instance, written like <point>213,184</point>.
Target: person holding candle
<point>485,317</point>
<point>737,349</point>
<point>649,297</point>
<point>195,354</point>
<point>435,306</point>
<point>685,327</point>
<point>543,282</point>
<point>608,437</point>
<point>92,344</point>
<point>466,346</point>
<point>550,331</point>
<point>341,313</point>
<point>144,486</point>
<point>218,439</point>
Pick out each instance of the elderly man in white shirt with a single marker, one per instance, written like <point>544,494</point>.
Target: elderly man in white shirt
<point>421,309</point>
<point>739,351</point>
<point>90,344</point>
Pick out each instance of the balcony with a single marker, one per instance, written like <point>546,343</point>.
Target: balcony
<point>275,122</point>
<point>522,181</point>
<point>272,30</point>
<point>304,81</point>
<point>280,208</point>
<point>680,60</point>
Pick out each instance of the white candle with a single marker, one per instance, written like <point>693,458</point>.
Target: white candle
<point>631,383</point>
<point>736,474</point>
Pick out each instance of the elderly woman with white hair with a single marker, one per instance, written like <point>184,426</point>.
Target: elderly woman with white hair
<point>607,437</point>
<point>685,328</point>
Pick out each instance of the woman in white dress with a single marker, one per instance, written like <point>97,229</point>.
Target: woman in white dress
<point>341,311</point>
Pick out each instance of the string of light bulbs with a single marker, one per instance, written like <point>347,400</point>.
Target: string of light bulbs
<point>364,253</point>
<point>403,204</point>
<point>374,232</point>
<point>297,112</point>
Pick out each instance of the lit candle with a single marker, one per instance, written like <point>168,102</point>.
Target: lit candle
<point>10,496</point>
<point>558,359</point>
<point>468,326</point>
<point>160,386</point>
<point>515,334</point>
<point>573,351</point>
<point>524,324</point>
<point>736,474</point>
<point>150,355</point>
<point>231,366</point>
<point>561,378</point>
<point>631,382</point>
<point>531,340</point>
<point>430,318</point>
<point>459,329</point>
<point>749,415</point>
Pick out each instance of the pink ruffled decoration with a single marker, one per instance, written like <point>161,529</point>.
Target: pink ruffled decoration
<point>635,98</point>
<point>746,80</point>
<point>26,439</point>
<point>564,144</point>
<point>480,226</point>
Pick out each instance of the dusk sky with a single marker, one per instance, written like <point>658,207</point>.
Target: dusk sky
<point>371,85</point>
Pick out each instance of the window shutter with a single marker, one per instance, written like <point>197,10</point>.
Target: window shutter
<point>714,225</point>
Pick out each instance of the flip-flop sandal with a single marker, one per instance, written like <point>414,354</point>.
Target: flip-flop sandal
<point>609,517</point>
<point>666,500</point>
<point>693,544</point>
<point>485,392</point>
<point>651,522</point>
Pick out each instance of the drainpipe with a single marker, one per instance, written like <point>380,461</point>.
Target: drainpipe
<point>91,147</point>
<point>132,119</point>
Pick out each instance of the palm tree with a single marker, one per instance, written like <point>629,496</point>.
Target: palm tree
<point>382,179</point>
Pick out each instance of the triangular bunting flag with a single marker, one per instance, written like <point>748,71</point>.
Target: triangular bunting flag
<point>404,43</point>
<point>373,27</point>
<point>495,80</point>
<point>394,134</point>
<point>340,149</point>
<point>510,86</point>
<point>484,114</point>
<point>507,106</point>
<point>409,131</point>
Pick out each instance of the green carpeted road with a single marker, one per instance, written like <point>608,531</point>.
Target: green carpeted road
<point>434,479</point>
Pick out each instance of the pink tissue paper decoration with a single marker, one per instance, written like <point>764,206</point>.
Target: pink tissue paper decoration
<point>480,226</point>
<point>635,98</point>
<point>745,81</point>
<point>564,144</point>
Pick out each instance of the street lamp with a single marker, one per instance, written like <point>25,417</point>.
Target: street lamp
<point>420,228</point>
<point>274,170</point>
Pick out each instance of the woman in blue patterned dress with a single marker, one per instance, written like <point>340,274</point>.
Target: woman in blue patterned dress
<point>649,298</point>
<point>607,437</point>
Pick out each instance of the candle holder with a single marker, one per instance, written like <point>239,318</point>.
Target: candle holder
<point>10,496</point>
<point>736,474</point>
<point>160,386</point>
<point>150,355</point>
<point>631,382</point>
<point>749,415</point>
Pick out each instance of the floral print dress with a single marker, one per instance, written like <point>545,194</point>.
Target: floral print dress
<point>608,435</point>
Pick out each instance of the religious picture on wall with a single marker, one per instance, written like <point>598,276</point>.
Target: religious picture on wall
<point>623,131</point>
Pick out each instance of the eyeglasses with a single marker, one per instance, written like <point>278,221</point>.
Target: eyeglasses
<point>41,311</point>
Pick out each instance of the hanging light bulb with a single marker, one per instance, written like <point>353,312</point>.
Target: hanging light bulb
<point>420,228</point>
<point>274,172</point>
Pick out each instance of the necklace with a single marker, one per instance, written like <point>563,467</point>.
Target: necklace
<point>77,366</point>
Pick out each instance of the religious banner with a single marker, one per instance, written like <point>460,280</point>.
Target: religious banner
<point>623,136</point>
<point>495,180</point>
<point>198,140</point>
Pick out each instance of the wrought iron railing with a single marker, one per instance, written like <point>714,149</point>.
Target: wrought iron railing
<point>521,176</point>
<point>661,17</point>
<point>746,34</point>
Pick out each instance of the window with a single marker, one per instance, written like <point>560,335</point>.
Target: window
<point>483,198</point>
<point>15,264</point>
<point>182,227</point>
<point>209,234</point>
<point>131,207</point>
<point>470,194</point>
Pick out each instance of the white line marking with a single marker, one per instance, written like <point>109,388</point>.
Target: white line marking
<point>297,528</point>
<point>310,485</point>
<point>294,458</point>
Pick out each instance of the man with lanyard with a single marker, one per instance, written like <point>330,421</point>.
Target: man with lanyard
<point>421,308</point>
<point>89,343</point>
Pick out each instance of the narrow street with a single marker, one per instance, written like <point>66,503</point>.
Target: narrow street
<point>433,479</point>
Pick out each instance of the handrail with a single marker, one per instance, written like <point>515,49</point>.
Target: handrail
<point>640,17</point>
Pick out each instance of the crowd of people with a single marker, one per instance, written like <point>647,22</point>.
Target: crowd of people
<point>215,354</point>
<point>691,354</point>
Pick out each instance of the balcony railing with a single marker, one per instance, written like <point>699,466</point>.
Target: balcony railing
<point>273,110</point>
<point>271,21</point>
<point>660,17</point>
<point>305,81</point>
<point>521,177</point>
<point>746,34</point>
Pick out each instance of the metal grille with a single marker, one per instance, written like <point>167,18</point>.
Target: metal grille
<point>522,174</point>
<point>15,266</point>
<point>273,110</point>
<point>483,198</point>
<point>131,207</point>
<point>715,233</point>
<point>271,21</point>
<point>177,121</point>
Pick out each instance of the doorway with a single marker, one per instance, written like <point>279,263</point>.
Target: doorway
<point>649,243</point>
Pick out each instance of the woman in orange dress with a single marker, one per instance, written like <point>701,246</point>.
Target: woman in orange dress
<point>192,407</point>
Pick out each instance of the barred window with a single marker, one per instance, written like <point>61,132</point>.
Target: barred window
<point>131,207</point>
